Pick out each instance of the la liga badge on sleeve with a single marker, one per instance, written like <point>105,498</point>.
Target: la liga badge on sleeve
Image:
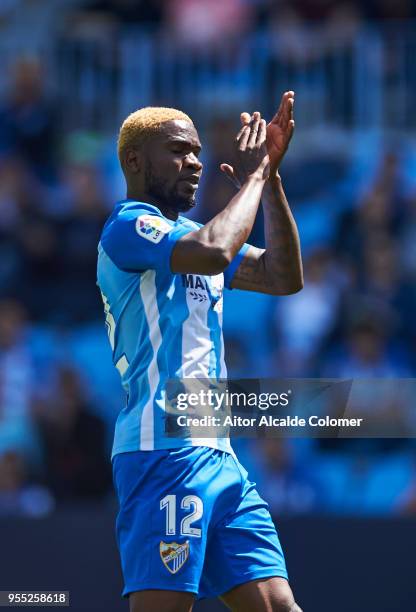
<point>152,228</point>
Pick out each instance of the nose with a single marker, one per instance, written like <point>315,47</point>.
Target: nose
<point>192,161</point>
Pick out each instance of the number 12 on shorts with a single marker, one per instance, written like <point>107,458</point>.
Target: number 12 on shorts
<point>189,502</point>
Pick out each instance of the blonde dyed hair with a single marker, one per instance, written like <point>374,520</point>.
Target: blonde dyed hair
<point>144,122</point>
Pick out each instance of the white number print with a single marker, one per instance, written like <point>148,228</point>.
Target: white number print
<point>169,502</point>
<point>189,502</point>
<point>109,321</point>
<point>198,510</point>
<point>122,364</point>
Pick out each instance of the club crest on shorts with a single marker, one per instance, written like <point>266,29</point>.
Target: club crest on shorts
<point>174,555</point>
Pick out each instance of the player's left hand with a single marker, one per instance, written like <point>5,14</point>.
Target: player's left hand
<point>279,130</point>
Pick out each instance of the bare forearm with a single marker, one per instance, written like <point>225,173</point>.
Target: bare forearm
<point>211,249</point>
<point>282,261</point>
<point>229,230</point>
<point>276,270</point>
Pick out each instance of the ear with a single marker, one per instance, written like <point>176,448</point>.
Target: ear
<point>133,161</point>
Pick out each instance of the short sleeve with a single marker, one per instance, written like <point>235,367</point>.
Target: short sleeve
<point>232,268</point>
<point>140,239</point>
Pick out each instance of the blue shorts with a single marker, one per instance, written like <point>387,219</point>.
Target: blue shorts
<point>190,520</point>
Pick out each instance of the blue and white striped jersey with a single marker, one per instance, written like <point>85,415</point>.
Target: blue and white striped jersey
<point>161,325</point>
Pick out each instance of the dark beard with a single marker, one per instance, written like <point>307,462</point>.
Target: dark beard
<point>169,198</point>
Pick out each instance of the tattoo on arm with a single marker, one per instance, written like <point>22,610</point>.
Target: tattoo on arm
<point>278,268</point>
<point>250,273</point>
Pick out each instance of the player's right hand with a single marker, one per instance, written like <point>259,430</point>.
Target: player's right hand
<point>251,157</point>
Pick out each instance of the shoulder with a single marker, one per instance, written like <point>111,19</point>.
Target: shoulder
<point>138,236</point>
<point>139,217</point>
<point>189,224</point>
<point>128,210</point>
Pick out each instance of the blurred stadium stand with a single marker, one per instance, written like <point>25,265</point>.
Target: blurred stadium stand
<point>71,71</point>
<point>350,178</point>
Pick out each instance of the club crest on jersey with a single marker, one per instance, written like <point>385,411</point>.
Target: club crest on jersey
<point>174,555</point>
<point>152,228</point>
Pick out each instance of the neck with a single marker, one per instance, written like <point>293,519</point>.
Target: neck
<point>167,211</point>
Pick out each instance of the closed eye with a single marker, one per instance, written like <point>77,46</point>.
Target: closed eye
<point>184,149</point>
